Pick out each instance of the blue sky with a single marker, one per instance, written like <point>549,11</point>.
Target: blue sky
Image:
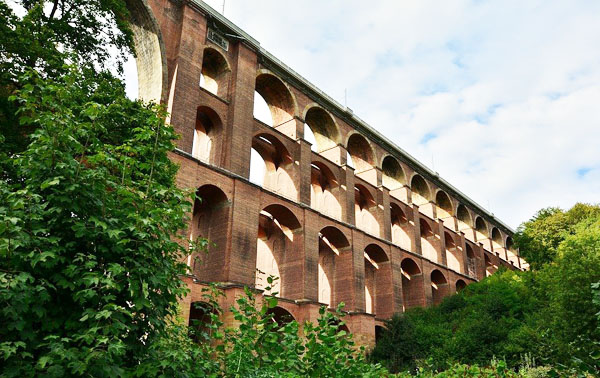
<point>502,98</point>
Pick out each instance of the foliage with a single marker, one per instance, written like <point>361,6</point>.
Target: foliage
<point>548,314</point>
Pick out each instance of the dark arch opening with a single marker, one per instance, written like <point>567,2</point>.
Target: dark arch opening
<point>277,97</point>
<point>413,294</point>
<point>464,217</point>
<point>364,210</point>
<point>199,321</point>
<point>393,174</point>
<point>439,286</point>
<point>378,281</point>
<point>280,316</point>
<point>324,190</point>
<point>460,285</point>
<point>481,228</point>
<point>210,217</point>
<point>360,152</point>
<point>323,127</point>
<point>420,190</point>
<point>442,200</point>
<point>334,258</point>
<point>496,238</point>
<point>400,228</point>
<point>489,267</point>
<point>453,255</point>
<point>429,242</point>
<point>278,173</point>
<point>205,144</point>
<point>215,72</point>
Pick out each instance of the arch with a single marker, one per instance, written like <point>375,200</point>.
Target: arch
<point>332,243</point>
<point>215,73</point>
<point>280,316</point>
<point>278,161</point>
<point>496,238</point>
<point>460,285</point>
<point>323,126</point>
<point>378,281</point>
<point>277,253</point>
<point>324,190</point>
<point>429,242</point>
<point>509,244</point>
<point>393,174</point>
<point>207,133</point>
<point>400,228</point>
<point>210,220</point>
<point>413,294</point>
<point>444,205</point>
<point>359,148</point>
<point>471,261</point>
<point>364,210</point>
<point>151,58</point>
<point>379,330</point>
<point>419,190</point>
<point>481,228</point>
<point>454,259</point>
<point>464,217</point>
<point>439,286</point>
<point>279,98</point>
<point>490,268</point>
<point>199,320</point>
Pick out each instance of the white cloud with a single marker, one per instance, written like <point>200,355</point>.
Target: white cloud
<point>504,94</point>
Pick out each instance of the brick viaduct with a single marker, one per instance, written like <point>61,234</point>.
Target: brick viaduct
<point>349,218</point>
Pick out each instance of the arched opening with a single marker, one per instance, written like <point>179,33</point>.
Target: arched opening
<point>332,243</point>
<point>378,282</point>
<point>278,243</point>
<point>419,190</point>
<point>364,210</point>
<point>199,321</point>
<point>471,262</point>
<point>464,218</point>
<point>215,73</point>
<point>280,316</point>
<point>151,60</point>
<point>489,267</point>
<point>393,174</point>
<point>400,228</point>
<point>429,242</point>
<point>323,128</point>
<point>360,153</point>
<point>277,97</point>
<point>379,330</point>
<point>511,251</point>
<point>210,220</point>
<point>412,285</point>
<point>206,135</point>
<point>277,165</point>
<point>496,238</point>
<point>439,286</point>
<point>324,190</point>
<point>481,229</point>
<point>309,136</point>
<point>443,204</point>
<point>453,255</point>
<point>460,285</point>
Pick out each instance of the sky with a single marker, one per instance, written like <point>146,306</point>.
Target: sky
<point>502,98</point>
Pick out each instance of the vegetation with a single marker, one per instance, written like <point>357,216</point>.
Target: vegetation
<point>549,314</point>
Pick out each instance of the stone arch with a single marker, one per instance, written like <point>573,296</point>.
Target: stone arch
<point>443,204</point>
<point>490,268</point>
<point>419,190</point>
<point>324,190</point>
<point>453,256</point>
<point>439,286</point>
<point>413,294</point>
<point>207,136</point>
<point>496,238</point>
<point>378,281</point>
<point>323,126</point>
<point>364,210</point>
<point>471,261</point>
<point>464,217</point>
<point>361,152</point>
<point>429,242</point>
<point>278,176</point>
<point>393,174</point>
<point>215,73</point>
<point>210,220</point>
<point>151,58</point>
<point>460,285</point>
<point>280,316</point>
<point>279,99</point>
<point>400,228</point>
<point>279,241</point>
<point>199,320</point>
<point>332,244</point>
<point>509,244</point>
<point>481,228</point>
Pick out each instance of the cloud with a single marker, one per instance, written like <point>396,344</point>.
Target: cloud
<point>503,94</point>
